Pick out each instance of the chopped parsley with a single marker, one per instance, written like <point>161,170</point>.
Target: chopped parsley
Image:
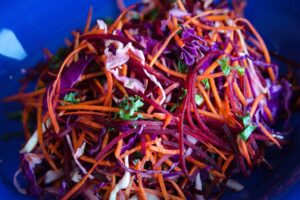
<point>71,98</point>
<point>56,59</point>
<point>224,63</point>
<point>153,14</point>
<point>174,106</point>
<point>226,68</point>
<point>245,134</point>
<point>246,120</point>
<point>109,20</point>
<point>129,106</point>
<point>198,99</point>
<point>249,127</point>
<point>182,67</point>
<point>206,83</point>
<point>184,92</point>
<point>240,70</point>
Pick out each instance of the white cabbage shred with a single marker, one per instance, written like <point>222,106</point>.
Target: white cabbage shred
<point>123,183</point>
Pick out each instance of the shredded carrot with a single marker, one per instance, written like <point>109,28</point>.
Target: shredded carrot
<point>167,120</point>
<point>248,92</point>
<point>90,76</point>
<point>177,188</point>
<point>74,139</point>
<point>40,138</point>
<point>215,92</point>
<point>217,18</point>
<point>99,85</point>
<point>76,44</point>
<point>90,111</point>
<point>262,45</point>
<point>227,163</point>
<point>164,45</point>
<point>268,112</point>
<point>269,135</point>
<point>256,103</point>
<point>108,96</point>
<point>181,6</point>
<point>137,148</point>
<point>167,70</point>
<point>206,98</point>
<point>164,151</point>
<point>129,35</point>
<point>162,186</point>
<point>50,95</point>
<point>118,149</point>
<point>211,115</point>
<point>93,161</point>
<point>179,42</point>
<point>202,166</point>
<point>89,107</point>
<point>124,70</point>
<point>140,182</point>
<point>128,189</point>
<point>26,95</point>
<point>105,141</point>
<point>118,20</point>
<point>239,94</point>
<point>214,149</point>
<point>25,117</point>
<point>170,163</point>
<point>91,48</point>
<point>121,88</point>
<point>243,149</point>
<point>209,76</point>
<point>216,64</point>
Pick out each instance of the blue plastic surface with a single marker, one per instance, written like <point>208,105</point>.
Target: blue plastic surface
<point>39,24</point>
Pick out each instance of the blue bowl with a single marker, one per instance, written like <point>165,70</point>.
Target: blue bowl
<point>38,24</point>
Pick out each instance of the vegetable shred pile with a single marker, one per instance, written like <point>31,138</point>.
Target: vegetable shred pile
<point>169,101</point>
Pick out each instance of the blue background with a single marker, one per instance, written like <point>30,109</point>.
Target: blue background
<point>39,24</point>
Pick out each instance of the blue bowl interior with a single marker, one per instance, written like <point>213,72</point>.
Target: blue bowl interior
<point>48,23</point>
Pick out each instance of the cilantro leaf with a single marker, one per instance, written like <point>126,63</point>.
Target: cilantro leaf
<point>224,63</point>
<point>245,134</point>
<point>57,58</point>
<point>71,98</point>
<point>108,20</point>
<point>182,67</point>
<point>199,99</point>
<point>184,91</point>
<point>206,83</point>
<point>240,70</point>
<point>246,120</point>
<point>174,106</point>
<point>129,106</point>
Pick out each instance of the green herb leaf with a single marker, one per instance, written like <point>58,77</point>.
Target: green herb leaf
<point>184,91</point>
<point>224,63</point>
<point>245,134</point>
<point>182,67</point>
<point>199,99</point>
<point>57,58</point>
<point>153,14</point>
<point>71,98</point>
<point>108,20</point>
<point>240,70</point>
<point>129,106</point>
<point>206,83</point>
<point>246,120</point>
<point>174,106</point>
